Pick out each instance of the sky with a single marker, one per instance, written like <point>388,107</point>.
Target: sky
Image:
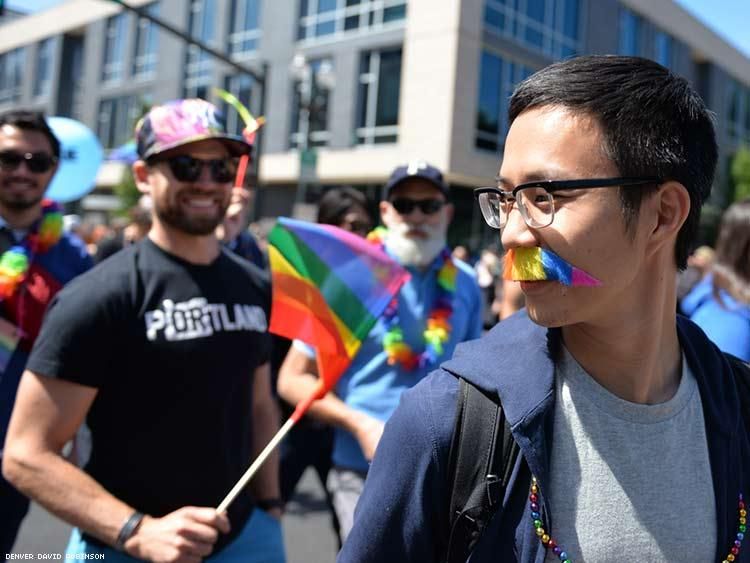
<point>729,18</point>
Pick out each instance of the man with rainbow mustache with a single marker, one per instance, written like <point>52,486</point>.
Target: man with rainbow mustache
<point>632,430</point>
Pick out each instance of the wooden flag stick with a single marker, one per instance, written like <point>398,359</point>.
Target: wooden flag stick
<point>319,392</point>
<point>245,479</point>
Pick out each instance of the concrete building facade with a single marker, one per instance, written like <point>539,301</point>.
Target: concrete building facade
<point>410,78</point>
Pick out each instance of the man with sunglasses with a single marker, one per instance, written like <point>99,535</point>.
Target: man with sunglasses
<point>31,272</point>
<point>438,307</point>
<point>163,349</point>
<point>631,427</point>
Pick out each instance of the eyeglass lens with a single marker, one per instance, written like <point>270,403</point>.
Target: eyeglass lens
<point>185,168</point>
<point>37,162</point>
<point>535,204</point>
<point>405,205</point>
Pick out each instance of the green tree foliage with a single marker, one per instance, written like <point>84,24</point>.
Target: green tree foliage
<point>740,172</point>
<point>127,191</point>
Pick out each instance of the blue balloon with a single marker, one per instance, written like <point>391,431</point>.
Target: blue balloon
<point>80,158</point>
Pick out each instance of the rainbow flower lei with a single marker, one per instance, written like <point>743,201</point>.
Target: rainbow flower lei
<point>14,263</point>
<point>438,327</point>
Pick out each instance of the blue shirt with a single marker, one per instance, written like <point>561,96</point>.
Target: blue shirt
<point>372,386</point>
<point>726,323</point>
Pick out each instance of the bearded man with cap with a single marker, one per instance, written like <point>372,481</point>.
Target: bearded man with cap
<point>163,349</point>
<point>436,309</point>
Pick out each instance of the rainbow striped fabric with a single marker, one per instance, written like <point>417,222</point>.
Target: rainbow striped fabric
<point>540,264</point>
<point>329,288</point>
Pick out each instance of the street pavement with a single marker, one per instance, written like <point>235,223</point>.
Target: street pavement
<point>308,535</point>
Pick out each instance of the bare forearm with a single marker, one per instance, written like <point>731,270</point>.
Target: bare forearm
<point>67,491</point>
<point>330,409</point>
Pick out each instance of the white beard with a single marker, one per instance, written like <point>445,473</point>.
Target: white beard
<point>419,252</point>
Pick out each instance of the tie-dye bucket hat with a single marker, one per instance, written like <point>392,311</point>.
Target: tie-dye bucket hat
<point>180,122</point>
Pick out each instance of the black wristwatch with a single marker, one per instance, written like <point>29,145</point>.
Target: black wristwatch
<point>128,529</point>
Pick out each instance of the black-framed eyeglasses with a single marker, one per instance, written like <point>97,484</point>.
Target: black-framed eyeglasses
<point>405,205</point>
<point>186,168</point>
<point>36,162</point>
<point>535,200</point>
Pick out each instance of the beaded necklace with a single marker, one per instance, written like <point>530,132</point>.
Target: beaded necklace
<point>14,262</point>
<point>559,551</point>
<point>438,327</point>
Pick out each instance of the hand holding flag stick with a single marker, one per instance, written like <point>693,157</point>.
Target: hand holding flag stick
<point>330,286</point>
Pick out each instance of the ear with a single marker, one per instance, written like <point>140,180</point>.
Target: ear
<point>140,175</point>
<point>671,206</point>
<point>385,209</point>
<point>449,211</point>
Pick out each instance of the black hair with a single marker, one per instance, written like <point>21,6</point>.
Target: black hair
<point>31,121</point>
<point>731,267</point>
<point>653,122</point>
<point>337,202</point>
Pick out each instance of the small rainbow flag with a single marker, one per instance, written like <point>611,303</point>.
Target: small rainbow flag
<point>540,264</point>
<point>329,288</point>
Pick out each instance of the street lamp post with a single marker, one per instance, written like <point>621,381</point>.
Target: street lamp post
<point>312,82</point>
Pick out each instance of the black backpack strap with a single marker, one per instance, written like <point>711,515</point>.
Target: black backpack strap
<point>481,460</point>
<point>741,372</point>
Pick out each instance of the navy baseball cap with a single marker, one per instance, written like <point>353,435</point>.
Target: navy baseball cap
<point>416,169</point>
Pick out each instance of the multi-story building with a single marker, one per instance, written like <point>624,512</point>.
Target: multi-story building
<point>414,79</point>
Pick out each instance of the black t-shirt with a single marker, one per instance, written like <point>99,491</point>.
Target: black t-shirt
<point>171,348</point>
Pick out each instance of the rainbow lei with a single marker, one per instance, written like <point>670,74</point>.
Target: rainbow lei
<point>558,551</point>
<point>438,327</point>
<point>14,263</point>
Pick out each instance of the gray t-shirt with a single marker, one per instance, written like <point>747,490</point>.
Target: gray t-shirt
<point>629,481</point>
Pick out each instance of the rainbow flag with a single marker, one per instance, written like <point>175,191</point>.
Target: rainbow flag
<point>329,288</point>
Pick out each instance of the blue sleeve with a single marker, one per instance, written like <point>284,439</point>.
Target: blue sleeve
<point>477,319</point>
<point>402,513</point>
<point>697,296</point>
<point>466,283</point>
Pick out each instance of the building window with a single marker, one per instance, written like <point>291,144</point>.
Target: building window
<point>114,48</point>
<point>738,112</point>
<point>241,86</point>
<point>551,27</point>
<point>318,134</point>
<point>630,33</point>
<point>245,27</point>
<point>379,89</point>
<point>117,118</point>
<point>497,79</point>
<point>663,48</point>
<point>322,18</point>
<point>43,74</point>
<point>11,75</point>
<point>146,45</point>
<point>199,63</point>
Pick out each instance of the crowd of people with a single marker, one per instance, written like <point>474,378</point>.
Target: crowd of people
<point>625,424</point>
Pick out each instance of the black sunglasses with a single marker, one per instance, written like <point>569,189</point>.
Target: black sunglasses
<point>186,168</point>
<point>36,162</point>
<point>405,205</point>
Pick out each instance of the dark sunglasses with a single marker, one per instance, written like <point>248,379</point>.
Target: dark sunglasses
<point>36,162</point>
<point>186,168</point>
<point>405,205</point>
<point>358,227</point>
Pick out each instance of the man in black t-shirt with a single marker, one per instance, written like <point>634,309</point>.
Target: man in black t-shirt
<point>164,350</point>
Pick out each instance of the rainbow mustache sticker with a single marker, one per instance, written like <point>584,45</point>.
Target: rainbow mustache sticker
<point>540,264</point>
